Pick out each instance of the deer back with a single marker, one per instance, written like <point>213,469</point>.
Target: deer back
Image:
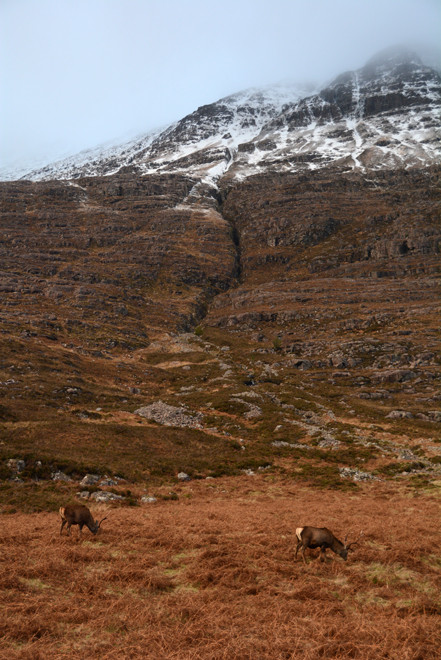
<point>78,514</point>
<point>320,537</point>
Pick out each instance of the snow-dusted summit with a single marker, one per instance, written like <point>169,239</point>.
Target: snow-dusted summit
<point>384,115</point>
<point>202,144</point>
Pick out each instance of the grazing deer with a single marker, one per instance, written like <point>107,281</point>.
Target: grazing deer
<point>321,537</point>
<point>78,514</point>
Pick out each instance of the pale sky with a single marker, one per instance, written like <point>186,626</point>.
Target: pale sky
<point>77,73</point>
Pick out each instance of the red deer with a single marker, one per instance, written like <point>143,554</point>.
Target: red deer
<point>78,514</point>
<point>321,537</point>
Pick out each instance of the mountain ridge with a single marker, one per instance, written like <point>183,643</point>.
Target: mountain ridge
<point>384,115</point>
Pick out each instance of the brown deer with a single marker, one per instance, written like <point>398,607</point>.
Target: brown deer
<point>78,514</point>
<point>321,537</point>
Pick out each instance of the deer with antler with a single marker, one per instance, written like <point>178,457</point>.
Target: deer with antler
<point>323,538</point>
<point>78,514</point>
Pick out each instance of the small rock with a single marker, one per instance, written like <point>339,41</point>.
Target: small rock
<point>303,365</point>
<point>148,499</point>
<point>407,455</point>
<point>356,475</point>
<point>399,414</point>
<point>90,480</point>
<point>60,476</point>
<point>102,496</point>
<point>328,443</point>
<point>84,494</point>
<point>394,376</point>
<point>183,476</point>
<point>16,464</point>
<point>108,482</point>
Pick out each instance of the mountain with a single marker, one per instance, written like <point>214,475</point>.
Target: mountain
<point>264,272</point>
<point>203,142</point>
<point>382,116</point>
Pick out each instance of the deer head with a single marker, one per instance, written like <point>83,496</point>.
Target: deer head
<point>349,546</point>
<point>97,525</point>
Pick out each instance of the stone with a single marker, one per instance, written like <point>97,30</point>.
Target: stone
<point>90,480</point>
<point>60,476</point>
<point>104,496</point>
<point>356,475</point>
<point>183,476</point>
<point>399,414</point>
<point>108,482</point>
<point>148,499</point>
<point>162,413</point>
<point>16,464</point>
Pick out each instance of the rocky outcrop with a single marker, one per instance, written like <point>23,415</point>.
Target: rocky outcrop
<point>162,413</point>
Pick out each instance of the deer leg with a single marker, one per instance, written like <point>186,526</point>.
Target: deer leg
<point>299,543</point>
<point>322,554</point>
<point>303,554</point>
<point>63,522</point>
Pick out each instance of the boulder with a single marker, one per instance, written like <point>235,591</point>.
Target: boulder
<point>60,476</point>
<point>399,414</point>
<point>170,415</point>
<point>90,480</point>
<point>102,496</point>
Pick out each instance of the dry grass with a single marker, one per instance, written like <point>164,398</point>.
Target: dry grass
<point>212,576</point>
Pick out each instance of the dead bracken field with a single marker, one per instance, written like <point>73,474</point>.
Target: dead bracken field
<point>212,575</point>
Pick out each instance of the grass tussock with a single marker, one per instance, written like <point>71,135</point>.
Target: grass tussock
<point>213,576</point>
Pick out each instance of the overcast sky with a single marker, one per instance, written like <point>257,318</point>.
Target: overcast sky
<point>76,73</point>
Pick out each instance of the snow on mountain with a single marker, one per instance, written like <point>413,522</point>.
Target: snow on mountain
<point>385,115</point>
<point>101,160</point>
<point>202,143</point>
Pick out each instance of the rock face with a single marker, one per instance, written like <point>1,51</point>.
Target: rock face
<point>103,255</point>
<point>332,247</point>
<point>383,116</point>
